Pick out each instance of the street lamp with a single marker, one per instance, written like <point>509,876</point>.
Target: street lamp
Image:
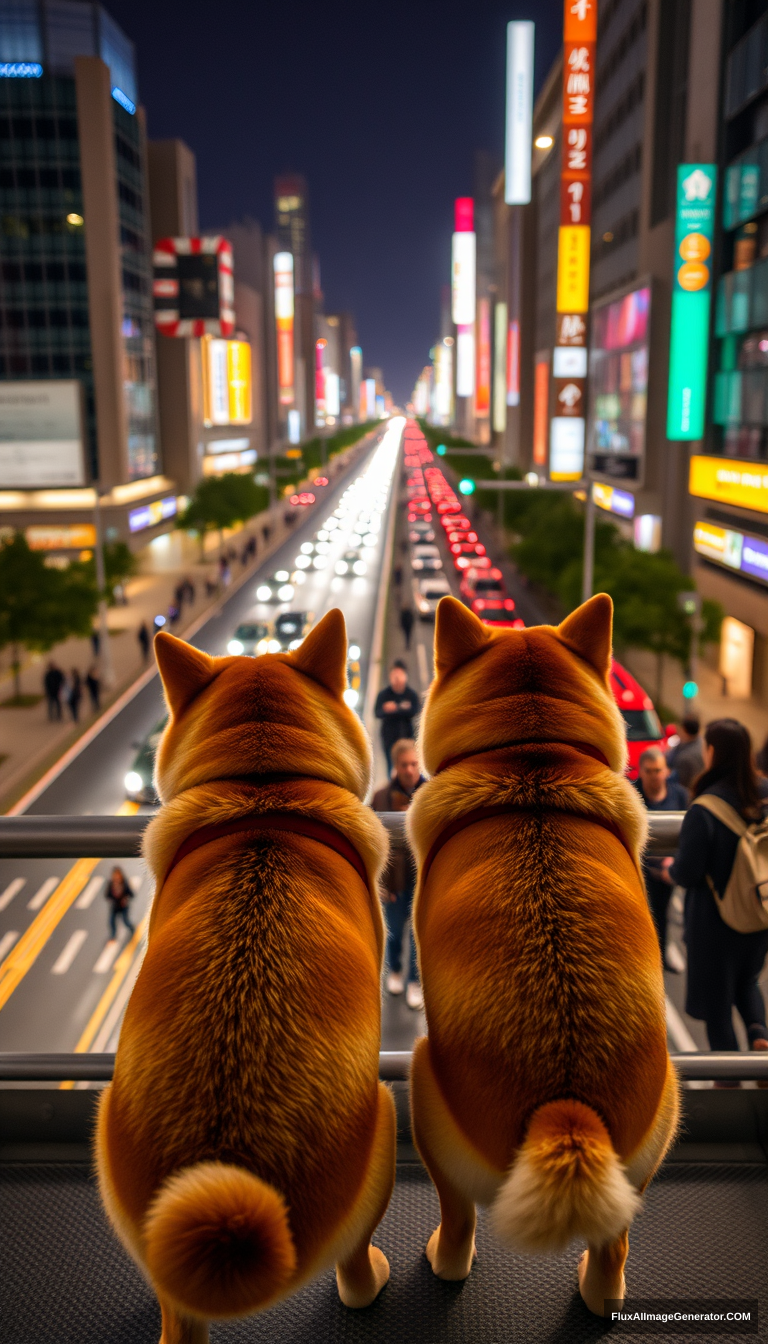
<point>105,652</point>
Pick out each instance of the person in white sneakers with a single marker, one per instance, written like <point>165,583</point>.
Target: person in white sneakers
<point>399,878</point>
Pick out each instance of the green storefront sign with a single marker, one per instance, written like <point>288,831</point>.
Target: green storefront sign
<point>691,300</point>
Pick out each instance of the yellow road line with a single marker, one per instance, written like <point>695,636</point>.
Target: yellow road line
<point>122,967</point>
<point>34,939</point>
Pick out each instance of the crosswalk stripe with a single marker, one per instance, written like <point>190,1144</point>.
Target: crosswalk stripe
<point>11,890</point>
<point>122,968</point>
<point>70,951</point>
<point>42,894</point>
<point>106,958</point>
<point>91,891</point>
<point>6,943</point>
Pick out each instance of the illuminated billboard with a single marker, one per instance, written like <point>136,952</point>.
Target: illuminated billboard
<point>193,287</point>
<point>513,364</point>
<point>730,481</point>
<point>463,263</point>
<point>41,434</point>
<point>517,161</point>
<point>483,388</point>
<point>443,394</point>
<point>608,497</point>
<point>540,408</point>
<point>618,385</point>
<point>227,382</point>
<point>61,537</point>
<point>149,515</point>
<point>283,267</point>
<point>732,549</point>
<point>500,368</point>
<point>691,298</point>
<point>465,360</point>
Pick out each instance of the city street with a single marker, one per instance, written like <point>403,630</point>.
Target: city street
<point>72,984</point>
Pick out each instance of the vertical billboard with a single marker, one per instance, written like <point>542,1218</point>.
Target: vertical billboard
<point>356,374</point>
<point>283,266</point>
<point>227,382</point>
<point>500,368</point>
<point>540,407</point>
<point>41,434</point>
<point>483,387</point>
<point>463,262</point>
<point>517,159</point>
<point>443,394</point>
<point>691,298</point>
<point>568,428</point>
<point>513,364</point>
<point>618,385</point>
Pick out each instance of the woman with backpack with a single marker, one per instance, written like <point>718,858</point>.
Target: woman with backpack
<point>724,963</point>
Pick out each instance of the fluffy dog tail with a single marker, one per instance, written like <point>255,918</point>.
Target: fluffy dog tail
<point>217,1241</point>
<point>567,1181</point>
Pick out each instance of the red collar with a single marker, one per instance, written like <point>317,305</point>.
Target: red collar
<point>293,822</point>
<point>502,809</point>
<point>584,747</point>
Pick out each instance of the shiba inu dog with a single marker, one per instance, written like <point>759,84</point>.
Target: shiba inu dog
<point>544,1087</point>
<point>245,1143</point>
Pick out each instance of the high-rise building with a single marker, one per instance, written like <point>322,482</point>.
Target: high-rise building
<point>293,234</point>
<point>76,318</point>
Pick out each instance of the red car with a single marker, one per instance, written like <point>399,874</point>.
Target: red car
<point>467,547</point>
<point>498,612</point>
<point>461,535</point>
<point>641,721</point>
<point>482,582</point>
<point>455,521</point>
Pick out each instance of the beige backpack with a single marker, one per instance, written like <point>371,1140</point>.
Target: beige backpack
<point>744,903</point>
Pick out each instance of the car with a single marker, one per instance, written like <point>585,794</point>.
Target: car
<point>461,535</point>
<point>250,638</point>
<point>420,505</point>
<point>351,564</point>
<point>425,557</point>
<point>467,548</point>
<point>354,679</point>
<point>139,780</point>
<point>427,594</point>
<point>276,589</point>
<point>641,722</point>
<point>451,522</point>
<point>291,627</point>
<point>462,562</point>
<point>498,612</point>
<point>482,583</point>
<point>418,534</point>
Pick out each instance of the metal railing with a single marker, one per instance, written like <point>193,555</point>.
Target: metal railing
<point>30,837</point>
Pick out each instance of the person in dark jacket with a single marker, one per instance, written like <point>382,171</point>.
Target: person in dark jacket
<point>119,894</point>
<point>397,706</point>
<point>75,695</point>
<point>399,877</point>
<point>52,684</point>
<point>723,965</point>
<point>660,794</point>
<point>406,625</point>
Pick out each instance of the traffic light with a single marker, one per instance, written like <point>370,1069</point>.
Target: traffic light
<point>690,690</point>
<point>466,487</point>
<point>440,450</point>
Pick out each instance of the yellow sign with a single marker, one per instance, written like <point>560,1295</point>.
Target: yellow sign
<point>226,381</point>
<point>239,379</point>
<point>66,537</point>
<point>709,540</point>
<point>573,268</point>
<point>731,482</point>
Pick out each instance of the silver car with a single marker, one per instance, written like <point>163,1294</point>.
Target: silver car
<point>427,594</point>
<point>424,557</point>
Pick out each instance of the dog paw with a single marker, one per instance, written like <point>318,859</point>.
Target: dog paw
<point>452,1265</point>
<point>595,1291</point>
<point>360,1290</point>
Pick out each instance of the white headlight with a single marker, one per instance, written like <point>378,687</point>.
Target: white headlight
<point>359,567</point>
<point>354,651</point>
<point>262,646</point>
<point>370,539</point>
<point>286,592</point>
<point>263,593</point>
<point>282,576</point>
<point>307,547</point>
<point>322,535</point>
<point>351,697</point>
<point>294,644</point>
<point>234,646</point>
<point>320,562</point>
<point>303,561</point>
<point>273,646</point>
<point>298,576</point>
<point>133,782</point>
<point>322,548</point>
<point>341,566</point>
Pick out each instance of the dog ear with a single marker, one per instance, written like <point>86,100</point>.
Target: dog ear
<point>323,654</point>
<point>588,632</point>
<point>459,635</point>
<point>184,670</point>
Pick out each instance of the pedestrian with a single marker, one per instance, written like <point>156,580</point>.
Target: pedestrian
<point>95,642</point>
<point>52,684</point>
<point>119,893</point>
<point>686,758</point>
<point>660,794</point>
<point>174,613</point>
<point>74,694</point>
<point>406,625</point>
<point>266,533</point>
<point>723,966</point>
<point>94,686</point>
<point>399,877</point>
<point>398,575</point>
<point>189,590</point>
<point>143,638</point>
<point>178,594</point>
<point>396,705</point>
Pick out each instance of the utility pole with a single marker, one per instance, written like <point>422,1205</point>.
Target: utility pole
<point>105,653</point>
<point>588,571</point>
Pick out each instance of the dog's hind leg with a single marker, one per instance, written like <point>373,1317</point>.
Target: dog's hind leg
<point>451,1248</point>
<point>601,1274</point>
<point>362,1271</point>
<point>179,1329</point>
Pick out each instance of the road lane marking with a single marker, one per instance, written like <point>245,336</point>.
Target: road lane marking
<point>106,958</point>
<point>42,894</point>
<point>421,655</point>
<point>11,890</point>
<point>91,891</point>
<point>67,956</point>
<point>104,1040</point>
<point>6,943</point>
<point>122,967</point>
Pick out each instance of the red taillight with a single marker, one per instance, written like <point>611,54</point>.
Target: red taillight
<point>479,604</point>
<point>509,604</point>
<point>518,624</point>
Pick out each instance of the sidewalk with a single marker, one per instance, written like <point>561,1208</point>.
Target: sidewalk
<point>29,743</point>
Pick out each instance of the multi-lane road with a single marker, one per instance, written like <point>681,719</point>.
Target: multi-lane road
<point>63,983</point>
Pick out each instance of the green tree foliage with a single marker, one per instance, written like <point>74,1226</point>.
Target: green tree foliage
<point>223,501</point>
<point>40,606</point>
<point>119,564</point>
<point>293,470</point>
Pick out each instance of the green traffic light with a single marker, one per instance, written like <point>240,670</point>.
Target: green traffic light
<point>690,690</point>
<point>467,487</point>
<point>440,450</point>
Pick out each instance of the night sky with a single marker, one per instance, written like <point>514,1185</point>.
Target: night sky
<point>381,107</point>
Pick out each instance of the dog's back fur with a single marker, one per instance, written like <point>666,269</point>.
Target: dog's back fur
<point>541,970</point>
<point>241,1125</point>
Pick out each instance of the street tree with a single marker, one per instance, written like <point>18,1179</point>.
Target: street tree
<point>39,605</point>
<point>119,564</point>
<point>221,502</point>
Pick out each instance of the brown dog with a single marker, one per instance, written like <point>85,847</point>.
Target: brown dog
<point>544,1087</point>
<point>245,1143</point>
